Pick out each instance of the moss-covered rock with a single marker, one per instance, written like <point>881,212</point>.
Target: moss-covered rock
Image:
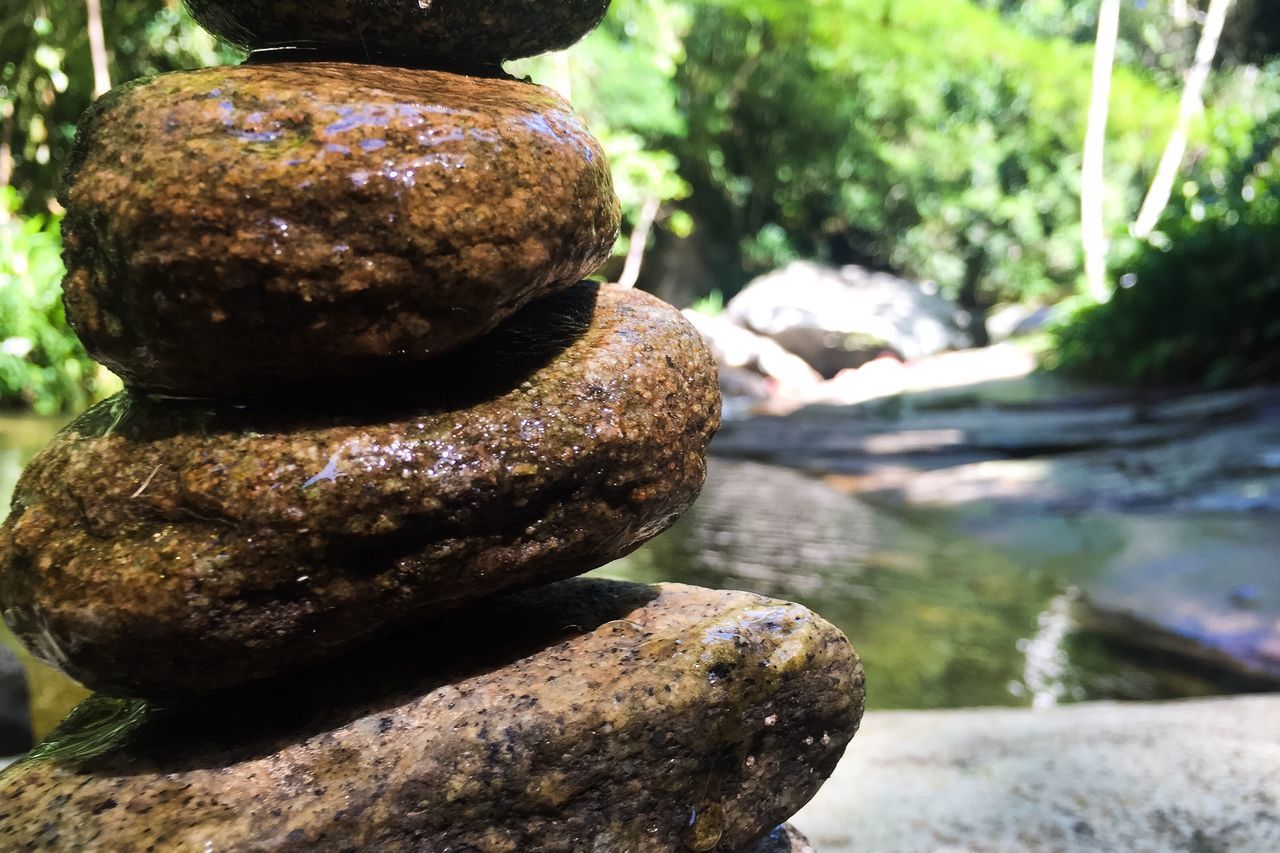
<point>588,715</point>
<point>266,224</point>
<point>160,547</point>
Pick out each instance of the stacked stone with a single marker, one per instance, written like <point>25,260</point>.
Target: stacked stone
<point>314,557</point>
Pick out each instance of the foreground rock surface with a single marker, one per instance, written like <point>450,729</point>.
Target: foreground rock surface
<point>1150,778</point>
<point>266,224</point>
<point>160,548</point>
<point>589,715</point>
<point>475,30</point>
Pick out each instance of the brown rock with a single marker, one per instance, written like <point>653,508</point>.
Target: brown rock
<point>160,547</point>
<point>589,715</point>
<point>235,227</point>
<point>475,30</point>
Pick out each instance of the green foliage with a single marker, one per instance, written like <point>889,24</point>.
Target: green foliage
<point>1200,302</point>
<point>929,137</point>
<point>1151,37</point>
<point>46,75</point>
<point>42,366</point>
<point>938,139</point>
<point>637,51</point>
<point>1159,36</point>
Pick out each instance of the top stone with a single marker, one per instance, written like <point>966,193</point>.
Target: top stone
<point>483,31</point>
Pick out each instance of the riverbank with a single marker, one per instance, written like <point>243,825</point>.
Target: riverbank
<point>1155,510</point>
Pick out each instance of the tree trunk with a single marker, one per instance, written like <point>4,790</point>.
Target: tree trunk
<point>98,49</point>
<point>1092,179</point>
<point>640,242</point>
<point>1192,105</point>
<point>975,267</point>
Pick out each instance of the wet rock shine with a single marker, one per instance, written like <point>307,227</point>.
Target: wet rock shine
<point>234,228</point>
<point>588,715</point>
<point>162,547</point>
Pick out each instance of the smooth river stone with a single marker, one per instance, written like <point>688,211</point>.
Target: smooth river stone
<point>589,715</point>
<point>232,228</point>
<point>160,547</point>
<point>487,31</point>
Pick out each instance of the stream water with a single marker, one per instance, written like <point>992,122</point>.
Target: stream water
<point>948,609</point>
<point>968,607</point>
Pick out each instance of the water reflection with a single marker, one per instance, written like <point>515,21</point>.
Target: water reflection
<point>942,617</point>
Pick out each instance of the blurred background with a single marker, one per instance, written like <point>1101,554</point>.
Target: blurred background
<point>996,301</point>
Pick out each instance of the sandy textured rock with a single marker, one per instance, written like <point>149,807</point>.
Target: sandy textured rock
<point>1192,777</point>
<point>160,547</point>
<point>475,30</point>
<point>589,715</point>
<point>270,223</point>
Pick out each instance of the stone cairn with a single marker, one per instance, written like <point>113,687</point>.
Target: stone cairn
<point>314,559</point>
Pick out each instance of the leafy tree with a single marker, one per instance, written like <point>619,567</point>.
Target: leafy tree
<point>46,77</point>
<point>42,365</point>
<point>928,137</point>
<point>1200,301</point>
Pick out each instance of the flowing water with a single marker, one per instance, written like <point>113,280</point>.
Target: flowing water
<point>948,609</point>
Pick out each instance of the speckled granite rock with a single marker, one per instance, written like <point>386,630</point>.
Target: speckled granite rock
<point>233,227</point>
<point>160,547</point>
<point>784,839</point>
<point>476,30</point>
<point>589,715</point>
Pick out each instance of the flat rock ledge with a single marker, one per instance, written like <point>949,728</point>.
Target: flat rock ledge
<point>1199,777</point>
<point>233,543</point>
<point>587,715</point>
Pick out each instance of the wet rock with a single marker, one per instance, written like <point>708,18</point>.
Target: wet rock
<point>839,319</point>
<point>266,224</point>
<point>589,715</point>
<point>160,547</point>
<point>784,839</point>
<point>476,30</point>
